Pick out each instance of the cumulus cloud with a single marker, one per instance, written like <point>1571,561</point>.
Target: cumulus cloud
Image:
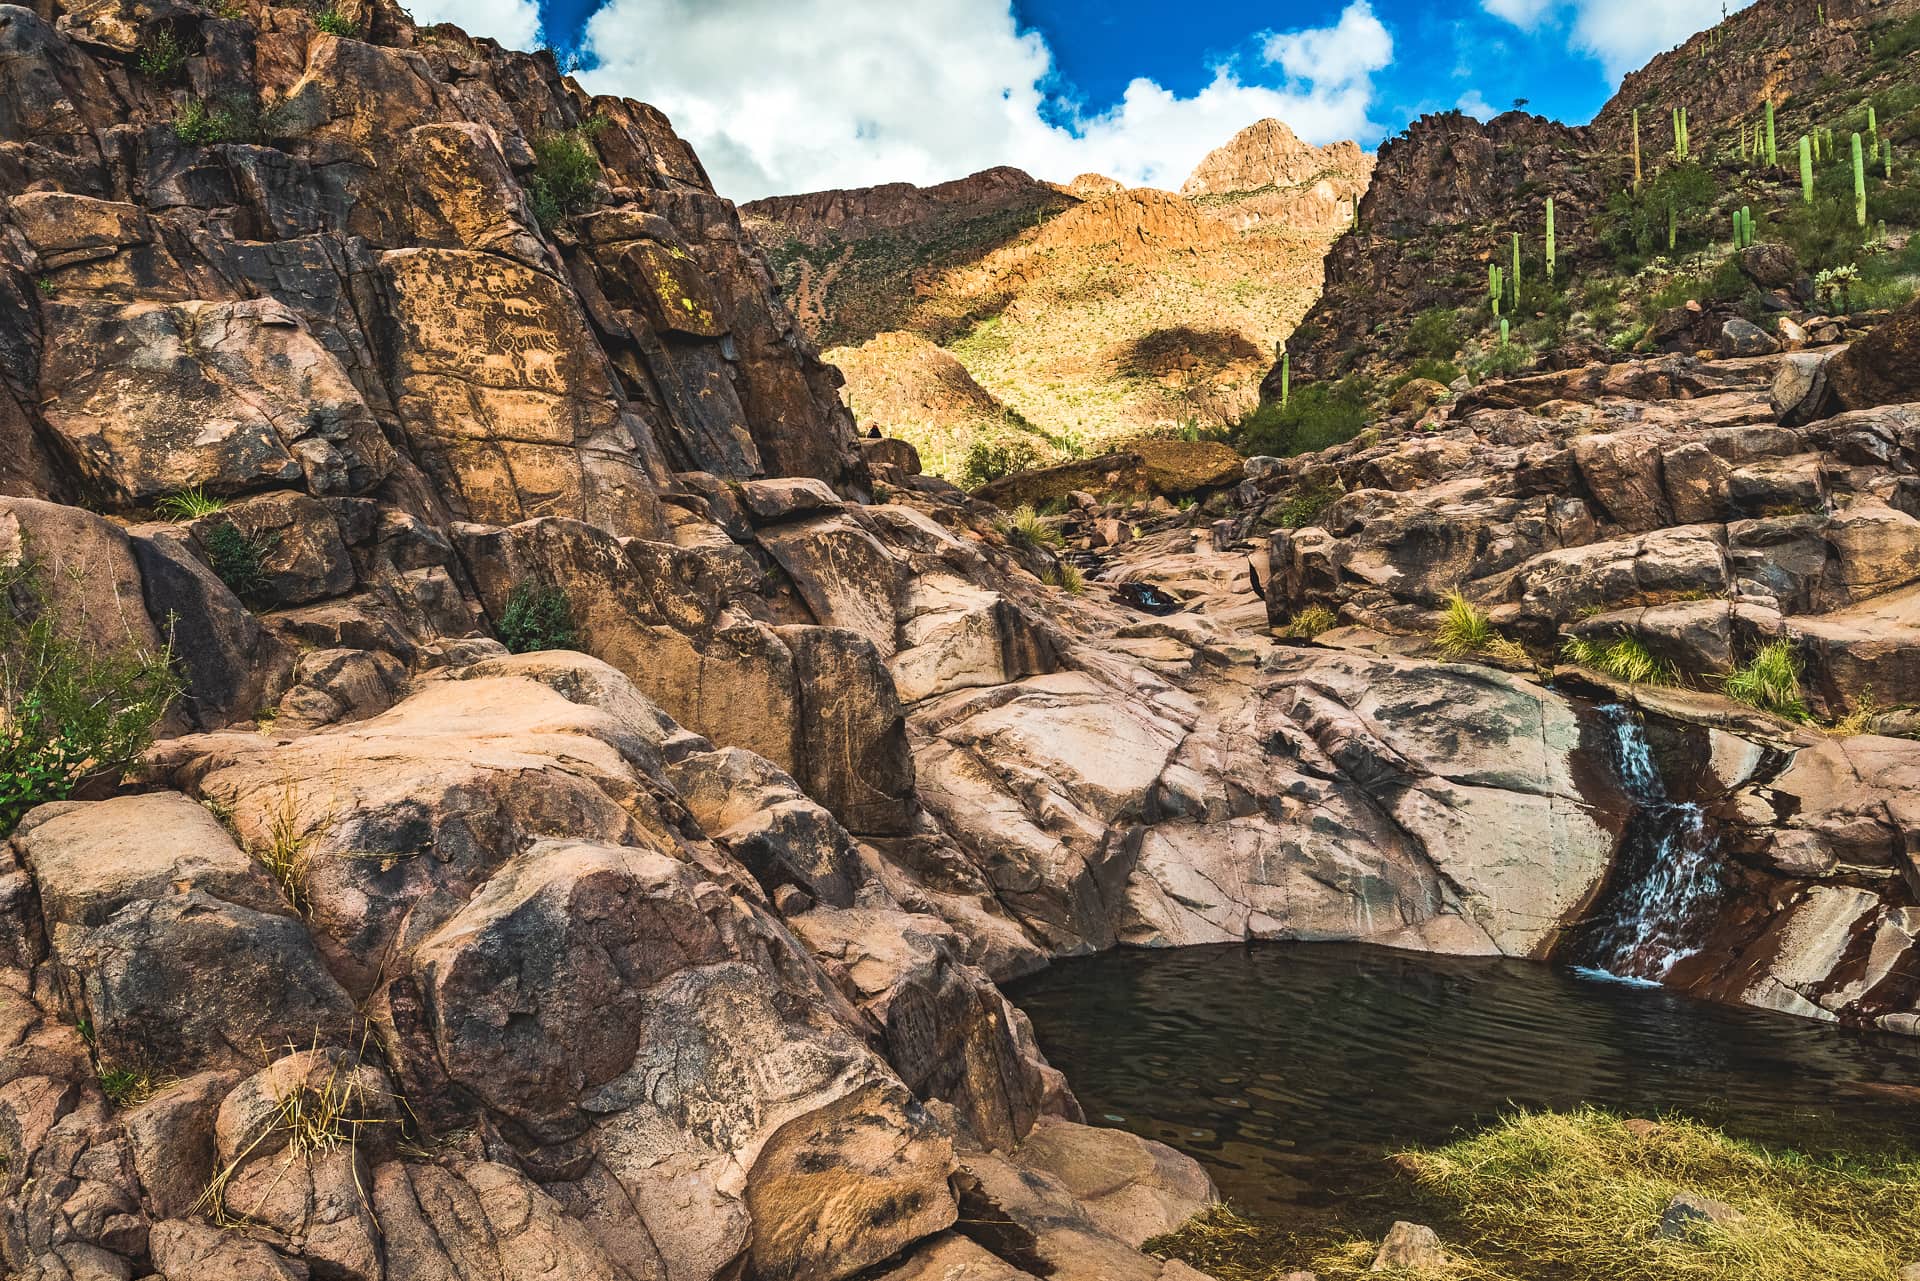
<point>1476,106</point>
<point>514,23</point>
<point>796,95</point>
<point>1620,34</point>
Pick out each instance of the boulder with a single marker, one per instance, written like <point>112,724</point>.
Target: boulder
<point>1413,1247</point>
<point>1800,389</point>
<point>1882,368</point>
<point>1741,337</point>
<point>189,1250</point>
<point>1770,265</point>
<point>302,556</point>
<point>1689,1212</point>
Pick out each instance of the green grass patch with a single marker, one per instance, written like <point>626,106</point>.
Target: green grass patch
<point>1623,657</point>
<point>238,557</point>
<point>537,618</point>
<point>1771,682</point>
<point>161,57</point>
<point>1578,1196</point>
<point>1463,628</point>
<point>1067,577</point>
<point>1305,505</point>
<point>335,23</point>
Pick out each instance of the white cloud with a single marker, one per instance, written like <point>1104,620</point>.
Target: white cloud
<point>1476,106</point>
<point>514,23</point>
<point>797,95</point>
<point>1619,34</point>
<point>1525,14</point>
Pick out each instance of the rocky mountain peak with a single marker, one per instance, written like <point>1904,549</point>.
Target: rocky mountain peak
<point>1268,153</point>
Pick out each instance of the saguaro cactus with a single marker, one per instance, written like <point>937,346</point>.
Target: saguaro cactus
<point>1806,169</point>
<point>1673,226</point>
<point>1550,251</point>
<point>1286,376</point>
<point>1514,279</point>
<point>1636,149</point>
<point>1859,183</point>
<point>1873,133</point>
<point>1494,287</point>
<point>1773,152</point>
<point>1503,331</point>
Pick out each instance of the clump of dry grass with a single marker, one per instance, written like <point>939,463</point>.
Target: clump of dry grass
<point>1578,1196</point>
<point>1312,621</point>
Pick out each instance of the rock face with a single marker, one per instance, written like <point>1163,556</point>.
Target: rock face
<point>1268,154</point>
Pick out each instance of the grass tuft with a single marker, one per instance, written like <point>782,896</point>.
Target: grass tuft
<point>1464,628</point>
<point>1625,658</point>
<point>190,504</point>
<point>1771,682</point>
<point>284,854</point>
<point>1024,527</point>
<point>1067,577</point>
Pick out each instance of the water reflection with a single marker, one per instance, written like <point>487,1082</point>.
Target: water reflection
<point>1290,1069</point>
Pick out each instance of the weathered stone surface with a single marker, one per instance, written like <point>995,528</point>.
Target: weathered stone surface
<point>1880,369</point>
<point>150,399</point>
<point>1411,1246</point>
<point>186,1250</point>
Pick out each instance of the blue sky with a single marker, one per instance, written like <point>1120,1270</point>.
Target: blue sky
<point>796,95</point>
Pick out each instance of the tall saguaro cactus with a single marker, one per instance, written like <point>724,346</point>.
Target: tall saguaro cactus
<point>1550,249</point>
<point>1773,152</point>
<point>1873,133</point>
<point>1673,226</point>
<point>1513,279</point>
<point>1495,287</point>
<point>1859,183</point>
<point>1806,169</point>
<point>1636,149</point>
<point>1286,376</point>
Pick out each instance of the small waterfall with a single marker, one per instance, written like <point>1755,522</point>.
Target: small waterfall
<point>1668,879</point>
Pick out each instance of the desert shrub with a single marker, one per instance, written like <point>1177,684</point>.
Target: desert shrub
<point>238,557</point>
<point>1623,657</point>
<point>1312,621</point>
<point>1024,527</point>
<point>1305,504</point>
<point>161,56</point>
<point>1634,225</point>
<point>1440,371</point>
<point>989,459</point>
<point>70,712</point>
<point>1435,333</point>
<point>1316,416</point>
<point>1771,682</point>
<point>233,117</point>
<point>335,23</point>
<point>565,170</point>
<point>536,618</point>
<point>1896,40</point>
<point>1503,361</point>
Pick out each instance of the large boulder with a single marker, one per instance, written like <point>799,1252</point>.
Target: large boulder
<point>1882,368</point>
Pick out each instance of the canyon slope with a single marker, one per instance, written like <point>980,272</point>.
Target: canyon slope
<point>608,789</point>
<point>1087,314</point>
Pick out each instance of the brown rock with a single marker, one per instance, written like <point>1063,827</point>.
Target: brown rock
<point>1882,368</point>
<point>1412,1246</point>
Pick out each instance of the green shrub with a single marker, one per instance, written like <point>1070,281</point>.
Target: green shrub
<point>565,170</point>
<point>1312,621</point>
<point>335,23</point>
<point>1024,527</point>
<point>1440,371</point>
<point>1771,682</point>
<point>1435,333</point>
<point>70,712</point>
<point>1623,657</point>
<point>238,558</point>
<point>537,618</point>
<point>190,504</point>
<point>989,459</point>
<point>1316,416</point>
<point>1503,361</point>
<point>162,57</point>
<point>233,117</point>
<point>1634,225</point>
<point>1305,504</point>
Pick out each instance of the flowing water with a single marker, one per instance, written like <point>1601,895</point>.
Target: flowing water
<point>1668,879</point>
<point>1289,1070</point>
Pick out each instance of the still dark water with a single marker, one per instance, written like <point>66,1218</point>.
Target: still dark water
<point>1290,1070</point>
